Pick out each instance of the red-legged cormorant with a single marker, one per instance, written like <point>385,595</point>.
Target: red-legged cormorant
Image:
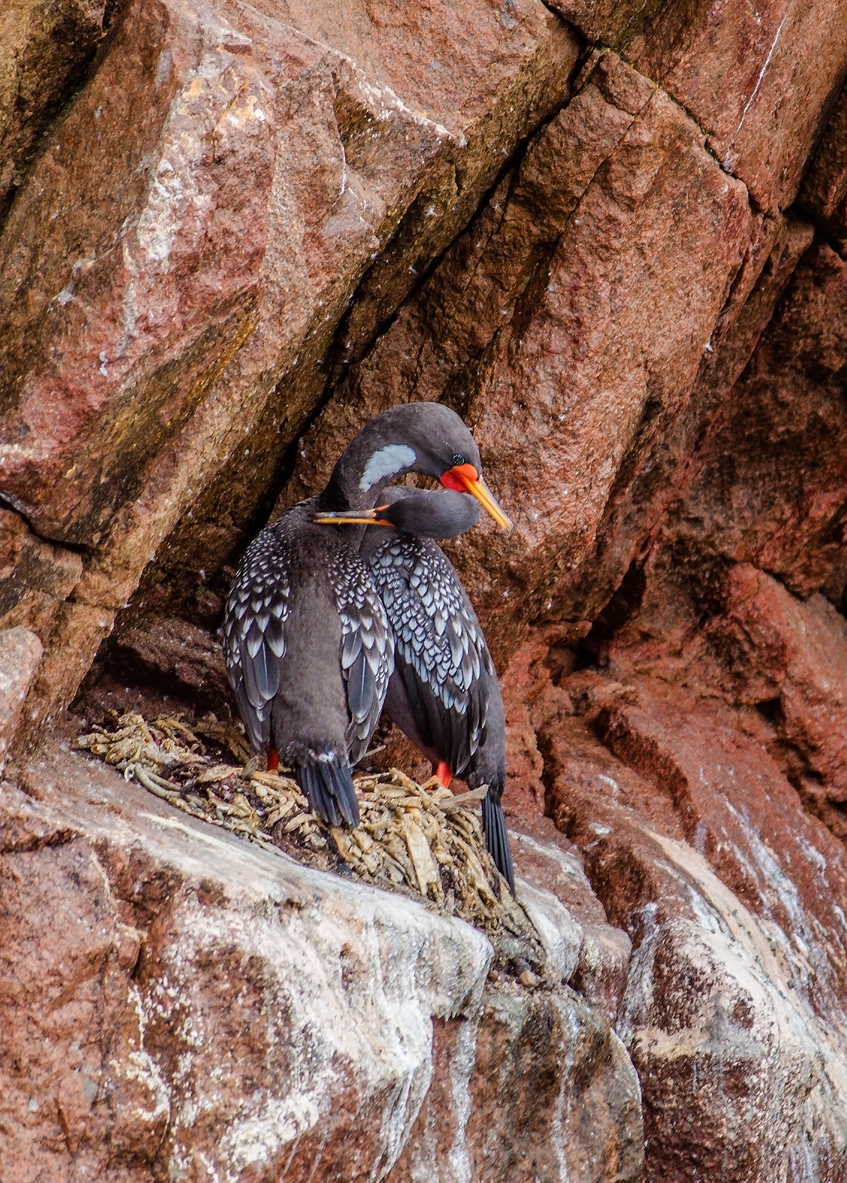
<point>443,693</point>
<point>307,644</point>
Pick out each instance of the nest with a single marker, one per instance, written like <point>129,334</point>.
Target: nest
<point>419,840</point>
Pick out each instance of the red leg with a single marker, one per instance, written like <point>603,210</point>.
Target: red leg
<point>444,775</point>
<point>273,759</point>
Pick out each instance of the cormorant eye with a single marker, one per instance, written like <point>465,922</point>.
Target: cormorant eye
<point>458,460</point>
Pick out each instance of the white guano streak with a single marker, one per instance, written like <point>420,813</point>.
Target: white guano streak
<point>757,87</point>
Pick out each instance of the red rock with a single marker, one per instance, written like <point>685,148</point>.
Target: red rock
<point>46,49</point>
<point>824,187</point>
<point>772,257</point>
<point>248,1016</point>
<point>792,657</point>
<point>545,858</point>
<point>20,653</point>
<point>144,343</point>
<point>243,177</point>
<point>183,209</point>
<point>759,81</point>
<point>76,631</point>
<point>500,1142</point>
<point>615,318</point>
<point>174,654</point>
<point>736,989</point>
<point>505,98</point>
<point>768,486</point>
<point>524,795</point>
<point>657,475</point>
<point>35,577</point>
<point>652,355</point>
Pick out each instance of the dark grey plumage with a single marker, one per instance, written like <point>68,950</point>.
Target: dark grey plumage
<point>307,645</point>
<point>444,692</point>
<point>320,698</point>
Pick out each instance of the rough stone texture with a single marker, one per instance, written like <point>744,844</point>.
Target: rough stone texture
<point>245,175</point>
<point>659,472</point>
<point>734,1010</point>
<point>207,105</point>
<point>175,655</point>
<point>770,483</point>
<point>44,51</point>
<point>598,334</point>
<point>824,187</point>
<point>556,1137</point>
<point>715,711</point>
<point>792,656</point>
<point>35,577</point>
<point>543,857</point>
<point>20,653</point>
<point>753,77</point>
<point>247,1017</point>
<point>251,216</point>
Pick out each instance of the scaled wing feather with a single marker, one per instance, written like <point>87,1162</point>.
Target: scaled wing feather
<point>439,640</point>
<point>254,632</point>
<point>367,649</point>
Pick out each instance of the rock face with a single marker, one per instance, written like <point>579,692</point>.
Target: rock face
<point>733,1010</point>
<point>542,301</point>
<point>247,169</point>
<point>46,50</point>
<point>199,965</point>
<point>613,237</point>
<point>20,653</point>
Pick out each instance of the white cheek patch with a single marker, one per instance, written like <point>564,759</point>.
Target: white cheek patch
<point>386,462</point>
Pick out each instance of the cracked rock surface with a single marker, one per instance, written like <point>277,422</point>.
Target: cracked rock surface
<point>612,236</point>
<point>194,1006</point>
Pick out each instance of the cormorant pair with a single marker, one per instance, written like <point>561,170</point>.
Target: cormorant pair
<point>330,620</point>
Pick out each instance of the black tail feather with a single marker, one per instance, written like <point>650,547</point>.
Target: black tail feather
<point>496,838</point>
<point>328,784</point>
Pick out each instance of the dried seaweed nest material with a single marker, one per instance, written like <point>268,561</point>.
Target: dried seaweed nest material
<point>420,840</point>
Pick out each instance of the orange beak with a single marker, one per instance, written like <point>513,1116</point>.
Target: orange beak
<point>464,478</point>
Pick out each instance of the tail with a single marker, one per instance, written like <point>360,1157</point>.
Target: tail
<point>328,783</point>
<point>496,838</point>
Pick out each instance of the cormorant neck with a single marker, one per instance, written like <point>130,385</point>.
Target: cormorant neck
<point>371,461</point>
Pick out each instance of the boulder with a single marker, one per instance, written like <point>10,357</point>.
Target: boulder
<point>733,1011</point>
<point>247,1016</point>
